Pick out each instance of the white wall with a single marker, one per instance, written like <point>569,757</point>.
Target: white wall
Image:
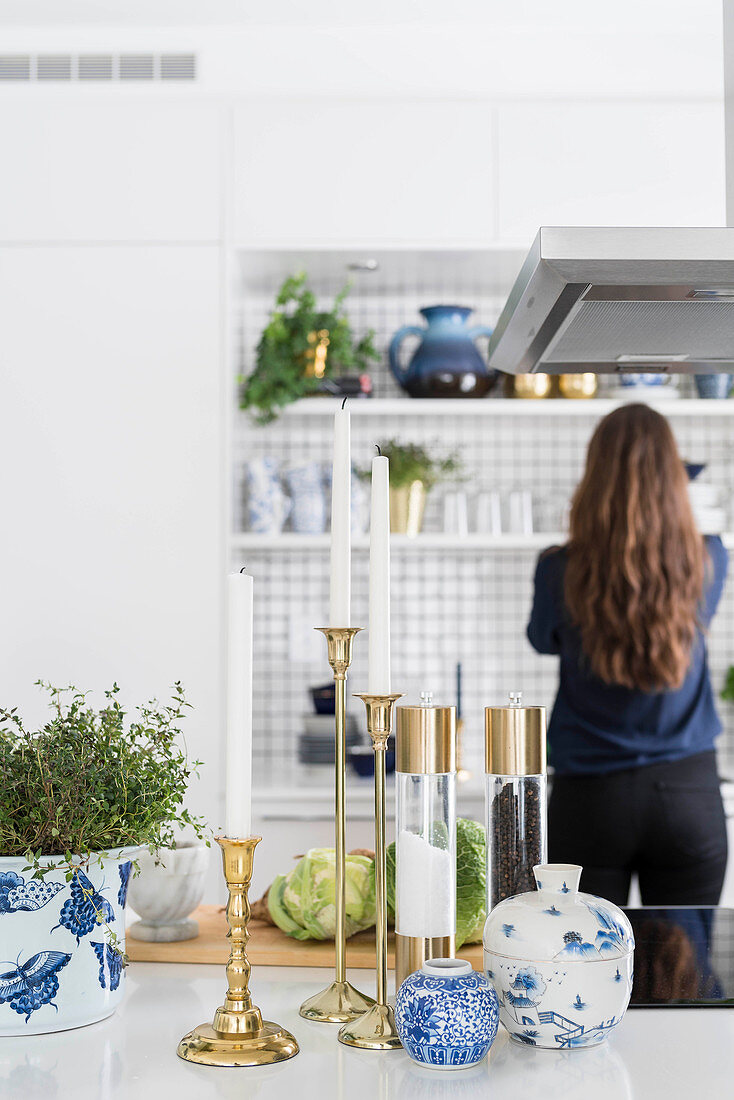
<point>110,498</point>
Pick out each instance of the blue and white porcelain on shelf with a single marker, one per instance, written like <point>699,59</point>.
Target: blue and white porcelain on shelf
<point>267,503</point>
<point>713,386</point>
<point>560,961</point>
<point>446,1015</point>
<point>308,498</point>
<point>57,969</point>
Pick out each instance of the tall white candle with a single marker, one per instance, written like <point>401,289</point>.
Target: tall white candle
<point>378,677</point>
<point>238,784</point>
<point>341,520</point>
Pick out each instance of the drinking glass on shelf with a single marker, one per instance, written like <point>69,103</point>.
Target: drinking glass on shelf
<point>521,512</point>
<point>488,513</point>
<point>455,519</point>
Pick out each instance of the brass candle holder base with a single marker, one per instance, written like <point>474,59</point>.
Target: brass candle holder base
<point>375,1029</point>
<point>340,1001</point>
<point>238,1035</point>
<point>208,1047</point>
<point>336,1004</point>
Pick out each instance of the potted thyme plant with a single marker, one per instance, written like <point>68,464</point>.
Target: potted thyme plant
<point>413,473</point>
<point>80,797</point>
<point>299,348</point>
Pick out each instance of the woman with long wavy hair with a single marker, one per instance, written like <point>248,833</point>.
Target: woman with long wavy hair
<point>625,604</point>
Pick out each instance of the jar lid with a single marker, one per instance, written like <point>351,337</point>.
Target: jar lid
<point>557,923</point>
<point>425,740</point>
<point>514,739</point>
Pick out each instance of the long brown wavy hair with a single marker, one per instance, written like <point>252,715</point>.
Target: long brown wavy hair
<point>635,565</point>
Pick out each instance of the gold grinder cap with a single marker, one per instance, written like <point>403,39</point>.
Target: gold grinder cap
<point>514,739</point>
<point>425,738</point>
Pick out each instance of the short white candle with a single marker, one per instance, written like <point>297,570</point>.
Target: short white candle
<point>378,677</point>
<point>238,783</point>
<point>341,521</point>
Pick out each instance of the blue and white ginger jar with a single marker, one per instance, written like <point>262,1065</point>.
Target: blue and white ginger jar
<point>57,968</point>
<point>446,1014</point>
<point>560,961</point>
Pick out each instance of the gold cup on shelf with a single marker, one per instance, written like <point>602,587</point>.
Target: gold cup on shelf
<point>238,1035</point>
<point>340,1001</point>
<point>375,1029</point>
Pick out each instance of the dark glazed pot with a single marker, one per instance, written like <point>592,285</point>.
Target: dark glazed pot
<point>447,363</point>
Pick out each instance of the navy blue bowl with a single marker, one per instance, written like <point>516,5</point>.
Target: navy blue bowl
<point>324,700</point>
<point>362,759</point>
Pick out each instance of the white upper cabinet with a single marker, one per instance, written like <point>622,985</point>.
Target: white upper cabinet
<point>599,163</point>
<point>319,172</point>
<point>100,169</point>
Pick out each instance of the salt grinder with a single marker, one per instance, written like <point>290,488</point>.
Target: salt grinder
<point>425,823</point>
<point>516,780</point>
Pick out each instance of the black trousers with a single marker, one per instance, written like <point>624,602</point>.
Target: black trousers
<point>664,822</point>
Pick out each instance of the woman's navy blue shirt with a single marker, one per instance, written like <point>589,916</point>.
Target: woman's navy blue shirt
<point>597,727</point>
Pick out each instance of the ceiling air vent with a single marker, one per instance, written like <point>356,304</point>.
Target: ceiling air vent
<point>89,67</point>
<point>97,66</point>
<point>53,67</point>
<point>15,67</point>
<point>136,66</point>
<point>178,66</point>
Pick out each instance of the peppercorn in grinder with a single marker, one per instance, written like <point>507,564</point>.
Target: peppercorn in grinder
<point>516,797</point>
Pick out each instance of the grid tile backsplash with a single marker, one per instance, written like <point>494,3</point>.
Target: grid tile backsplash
<point>467,605</point>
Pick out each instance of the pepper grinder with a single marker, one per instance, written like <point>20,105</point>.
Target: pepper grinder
<point>515,766</point>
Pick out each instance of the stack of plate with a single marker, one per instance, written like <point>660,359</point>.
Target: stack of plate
<point>316,743</point>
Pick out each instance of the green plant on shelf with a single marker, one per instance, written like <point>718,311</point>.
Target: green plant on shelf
<point>301,346</point>
<point>727,692</point>
<point>411,462</point>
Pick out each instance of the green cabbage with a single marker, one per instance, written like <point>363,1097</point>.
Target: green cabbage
<point>471,874</point>
<point>302,903</point>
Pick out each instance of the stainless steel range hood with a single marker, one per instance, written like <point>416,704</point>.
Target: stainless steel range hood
<point>620,300</point>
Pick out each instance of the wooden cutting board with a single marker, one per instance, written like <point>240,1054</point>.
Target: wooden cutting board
<point>268,946</point>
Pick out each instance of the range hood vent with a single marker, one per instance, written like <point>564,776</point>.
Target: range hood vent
<point>621,300</point>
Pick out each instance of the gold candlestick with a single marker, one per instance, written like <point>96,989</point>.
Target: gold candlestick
<point>238,1035</point>
<point>375,1029</point>
<point>340,1001</point>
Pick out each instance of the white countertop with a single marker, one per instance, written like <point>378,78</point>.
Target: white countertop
<point>666,1053</point>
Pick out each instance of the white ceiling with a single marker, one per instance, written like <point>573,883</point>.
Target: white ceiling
<point>340,13</point>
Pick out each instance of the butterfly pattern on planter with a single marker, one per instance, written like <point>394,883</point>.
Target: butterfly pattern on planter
<point>85,909</point>
<point>19,896</point>
<point>34,983</point>
<point>110,961</point>
<point>123,869</point>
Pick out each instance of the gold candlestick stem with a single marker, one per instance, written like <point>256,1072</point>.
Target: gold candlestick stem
<point>340,1001</point>
<point>238,1035</point>
<point>375,1029</point>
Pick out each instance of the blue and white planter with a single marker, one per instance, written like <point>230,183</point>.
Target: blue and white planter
<point>57,970</point>
<point>560,961</point>
<point>446,1015</point>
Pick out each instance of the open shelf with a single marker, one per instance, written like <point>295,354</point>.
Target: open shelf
<point>289,540</point>
<point>497,406</point>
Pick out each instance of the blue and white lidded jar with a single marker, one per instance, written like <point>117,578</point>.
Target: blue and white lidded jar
<point>560,961</point>
<point>446,1014</point>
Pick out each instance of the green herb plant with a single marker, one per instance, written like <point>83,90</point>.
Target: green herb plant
<point>410,462</point>
<point>727,692</point>
<point>93,780</point>
<point>279,376</point>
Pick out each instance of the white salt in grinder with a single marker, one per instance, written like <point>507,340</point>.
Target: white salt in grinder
<point>425,842</point>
